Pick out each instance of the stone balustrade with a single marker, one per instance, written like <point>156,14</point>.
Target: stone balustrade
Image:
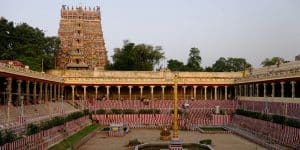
<point>270,99</point>
<point>283,71</point>
<point>144,77</point>
<point>19,71</point>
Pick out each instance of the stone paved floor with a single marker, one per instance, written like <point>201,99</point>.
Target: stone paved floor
<point>220,141</point>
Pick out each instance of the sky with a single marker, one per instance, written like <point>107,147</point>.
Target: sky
<point>251,29</point>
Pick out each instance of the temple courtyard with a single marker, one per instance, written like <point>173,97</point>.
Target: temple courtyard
<point>219,141</point>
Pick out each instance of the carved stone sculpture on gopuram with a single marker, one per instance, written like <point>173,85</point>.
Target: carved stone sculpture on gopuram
<point>82,45</point>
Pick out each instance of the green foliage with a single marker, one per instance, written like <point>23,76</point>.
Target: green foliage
<point>101,111</point>
<point>136,57</point>
<point>149,111</point>
<point>213,129</point>
<point>272,61</point>
<point>27,44</point>
<point>176,65</point>
<point>230,64</point>
<point>293,122</point>
<point>9,137</point>
<point>265,117</point>
<point>74,116</point>
<point>193,63</point>
<point>56,121</point>
<point>128,111</point>
<point>86,112</point>
<point>179,111</point>
<point>106,129</point>
<point>72,140</point>
<point>278,119</point>
<point>194,60</point>
<point>32,129</point>
<point>134,142</point>
<point>1,139</point>
<point>273,118</point>
<point>116,111</point>
<point>222,112</point>
<point>206,141</point>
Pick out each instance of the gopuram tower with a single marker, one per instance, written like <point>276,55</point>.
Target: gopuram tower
<point>82,45</point>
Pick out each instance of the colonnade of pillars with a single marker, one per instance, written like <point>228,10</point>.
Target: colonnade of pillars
<point>46,91</point>
<point>255,89</point>
<point>220,92</point>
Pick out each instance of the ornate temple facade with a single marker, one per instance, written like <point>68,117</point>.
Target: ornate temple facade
<point>79,74</point>
<point>82,45</point>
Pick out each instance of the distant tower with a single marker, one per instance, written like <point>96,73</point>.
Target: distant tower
<point>82,45</point>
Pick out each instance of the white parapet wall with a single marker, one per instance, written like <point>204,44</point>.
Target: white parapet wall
<point>271,99</point>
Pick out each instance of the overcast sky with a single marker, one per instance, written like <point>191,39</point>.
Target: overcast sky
<point>252,29</point>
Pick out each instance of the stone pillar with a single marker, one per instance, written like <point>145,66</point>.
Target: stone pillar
<point>9,97</point>
<point>235,91</point>
<point>293,88</point>
<point>84,92</point>
<point>130,88</point>
<point>205,92</point>
<point>55,96</point>
<point>8,90</point>
<point>273,89</point>
<point>27,91</point>
<point>163,92</point>
<point>184,92</point>
<point>41,92</point>
<point>50,92</point>
<point>240,90</point>
<point>19,90</point>
<point>226,92</point>
<point>216,94</point>
<point>257,90</point>
<point>251,90</point>
<point>195,92</point>
<point>211,93</point>
<point>62,89</point>
<point>282,88</point>
<point>107,92</point>
<point>46,92</point>
<point>245,90</point>
<point>119,92</point>
<point>58,92</point>
<point>73,94</point>
<point>141,91</point>
<point>96,92</point>
<point>34,92</point>
<point>265,90</point>
<point>152,92</point>
<point>201,95</point>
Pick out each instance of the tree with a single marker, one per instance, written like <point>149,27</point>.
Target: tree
<point>230,64</point>
<point>27,44</point>
<point>272,61</point>
<point>176,65</point>
<point>194,60</point>
<point>136,57</point>
<point>32,129</point>
<point>9,137</point>
<point>220,65</point>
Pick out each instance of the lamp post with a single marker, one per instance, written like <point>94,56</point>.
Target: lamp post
<point>175,119</point>
<point>176,143</point>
